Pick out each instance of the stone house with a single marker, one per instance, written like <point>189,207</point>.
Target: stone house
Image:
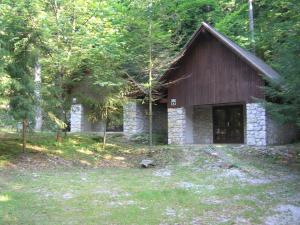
<point>212,97</point>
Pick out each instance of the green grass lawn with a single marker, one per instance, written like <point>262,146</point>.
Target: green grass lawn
<point>77,182</point>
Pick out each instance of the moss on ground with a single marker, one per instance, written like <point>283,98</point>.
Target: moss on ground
<point>188,186</point>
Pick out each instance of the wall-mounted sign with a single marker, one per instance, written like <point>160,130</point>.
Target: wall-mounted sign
<point>173,102</point>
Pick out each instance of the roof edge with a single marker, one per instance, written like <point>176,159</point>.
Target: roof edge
<point>247,56</point>
<point>241,52</point>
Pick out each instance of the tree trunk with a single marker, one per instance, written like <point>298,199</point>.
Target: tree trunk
<point>24,127</point>
<point>37,91</point>
<point>150,84</point>
<point>104,135</point>
<point>251,25</point>
<point>105,129</point>
<point>58,135</point>
<point>150,121</point>
<point>65,129</point>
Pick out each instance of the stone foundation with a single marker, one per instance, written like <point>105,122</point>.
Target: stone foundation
<point>256,129</point>
<point>194,125</point>
<point>190,125</point>
<point>176,125</point>
<point>262,130</point>
<point>135,119</point>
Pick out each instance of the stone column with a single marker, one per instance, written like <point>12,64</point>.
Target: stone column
<point>176,125</point>
<point>76,118</point>
<point>135,119</point>
<point>256,132</point>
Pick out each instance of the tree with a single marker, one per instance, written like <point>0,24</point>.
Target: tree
<point>150,57</point>
<point>20,38</point>
<point>107,110</point>
<point>277,42</point>
<point>82,39</point>
<point>283,100</point>
<point>37,91</point>
<point>182,18</point>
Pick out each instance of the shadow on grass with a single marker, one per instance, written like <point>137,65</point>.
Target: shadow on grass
<point>80,148</point>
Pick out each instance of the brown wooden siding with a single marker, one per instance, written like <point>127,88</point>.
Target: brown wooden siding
<point>216,76</point>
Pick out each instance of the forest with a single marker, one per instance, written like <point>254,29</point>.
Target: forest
<point>202,163</point>
<point>49,47</point>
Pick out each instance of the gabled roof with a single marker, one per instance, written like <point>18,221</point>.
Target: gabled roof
<point>247,56</point>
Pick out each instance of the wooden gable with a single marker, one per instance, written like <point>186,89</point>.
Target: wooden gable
<point>214,75</point>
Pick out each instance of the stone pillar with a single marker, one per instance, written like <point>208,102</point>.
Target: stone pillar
<point>135,119</point>
<point>256,132</point>
<point>176,125</point>
<point>77,118</point>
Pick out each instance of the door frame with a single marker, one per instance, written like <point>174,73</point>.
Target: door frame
<point>241,106</point>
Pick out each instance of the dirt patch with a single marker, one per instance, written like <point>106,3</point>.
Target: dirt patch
<point>162,173</point>
<point>195,187</point>
<point>39,161</point>
<point>213,200</point>
<point>114,163</point>
<point>242,220</point>
<point>121,203</point>
<point>170,212</point>
<point>242,176</point>
<point>67,196</point>
<point>284,215</point>
<point>112,193</point>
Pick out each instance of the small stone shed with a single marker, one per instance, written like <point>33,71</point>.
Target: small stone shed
<point>84,93</point>
<point>213,97</point>
<point>79,121</point>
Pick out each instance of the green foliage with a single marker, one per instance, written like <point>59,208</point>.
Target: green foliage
<point>235,23</point>
<point>19,38</point>
<point>187,183</point>
<point>277,41</point>
<point>101,42</point>
<point>61,124</point>
<point>284,97</point>
<point>182,18</point>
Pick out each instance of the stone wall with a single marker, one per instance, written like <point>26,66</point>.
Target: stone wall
<point>135,119</point>
<point>262,130</point>
<point>176,125</point>
<point>203,125</point>
<point>186,126</point>
<point>256,129</point>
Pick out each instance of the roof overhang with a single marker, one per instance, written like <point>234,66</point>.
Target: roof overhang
<point>245,55</point>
